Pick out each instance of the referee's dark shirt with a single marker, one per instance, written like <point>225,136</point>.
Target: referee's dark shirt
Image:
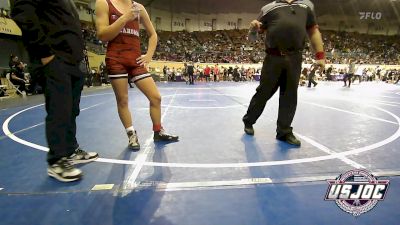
<point>190,69</point>
<point>286,24</point>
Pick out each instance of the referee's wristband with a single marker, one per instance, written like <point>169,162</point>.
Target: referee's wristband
<point>320,55</point>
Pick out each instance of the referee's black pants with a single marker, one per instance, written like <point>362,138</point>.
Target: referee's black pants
<point>311,81</point>
<point>63,87</point>
<point>283,72</point>
<point>191,78</point>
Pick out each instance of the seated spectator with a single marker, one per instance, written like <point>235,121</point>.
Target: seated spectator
<point>17,77</point>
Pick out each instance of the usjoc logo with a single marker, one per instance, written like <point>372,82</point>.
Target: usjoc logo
<point>356,191</point>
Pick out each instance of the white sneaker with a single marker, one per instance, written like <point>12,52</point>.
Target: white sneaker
<point>81,156</point>
<point>64,171</point>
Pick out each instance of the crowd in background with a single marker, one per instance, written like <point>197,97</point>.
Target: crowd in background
<point>209,73</point>
<point>230,46</point>
<point>361,74</point>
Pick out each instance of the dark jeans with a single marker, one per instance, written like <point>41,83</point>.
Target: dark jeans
<point>277,72</point>
<point>64,83</point>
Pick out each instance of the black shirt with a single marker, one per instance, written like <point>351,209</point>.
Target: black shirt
<point>17,71</point>
<point>287,24</point>
<point>190,69</point>
<point>50,27</point>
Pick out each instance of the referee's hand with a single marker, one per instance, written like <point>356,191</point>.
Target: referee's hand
<point>255,25</point>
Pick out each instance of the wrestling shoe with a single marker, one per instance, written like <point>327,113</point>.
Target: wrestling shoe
<point>162,136</point>
<point>133,141</point>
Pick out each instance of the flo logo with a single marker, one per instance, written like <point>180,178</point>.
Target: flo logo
<point>356,191</point>
<point>370,15</point>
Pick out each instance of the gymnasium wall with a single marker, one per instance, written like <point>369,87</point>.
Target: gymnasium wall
<point>169,21</point>
<point>198,22</point>
<point>355,24</point>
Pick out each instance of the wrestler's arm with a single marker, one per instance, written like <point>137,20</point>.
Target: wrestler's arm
<point>151,32</point>
<point>105,31</point>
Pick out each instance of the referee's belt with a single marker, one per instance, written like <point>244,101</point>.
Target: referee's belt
<point>279,52</point>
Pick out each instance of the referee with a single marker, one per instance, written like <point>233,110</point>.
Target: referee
<point>287,24</point>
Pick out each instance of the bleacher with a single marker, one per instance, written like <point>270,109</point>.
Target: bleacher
<point>230,46</point>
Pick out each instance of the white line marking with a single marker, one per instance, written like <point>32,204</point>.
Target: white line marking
<point>115,161</point>
<point>205,100</point>
<point>25,129</point>
<point>142,157</point>
<point>385,96</point>
<point>101,103</point>
<point>388,140</point>
<point>1,189</point>
<point>387,104</point>
<point>42,123</point>
<point>140,160</point>
<point>330,152</point>
<point>204,88</point>
<point>204,107</point>
<point>189,107</point>
<point>397,103</point>
<point>353,113</point>
<point>85,96</point>
<point>205,184</point>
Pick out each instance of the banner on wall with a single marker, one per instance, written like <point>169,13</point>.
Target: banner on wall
<point>178,22</point>
<point>8,26</point>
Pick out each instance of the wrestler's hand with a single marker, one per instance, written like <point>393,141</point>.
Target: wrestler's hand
<point>143,60</point>
<point>132,14</point>
<point>47,60</point>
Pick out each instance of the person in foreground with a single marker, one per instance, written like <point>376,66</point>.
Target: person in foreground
<point>286,23</point>
<point>53,38</point>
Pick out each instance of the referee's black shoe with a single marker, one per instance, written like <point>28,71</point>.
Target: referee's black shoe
<point>248,129</point>
<point>290,139</point>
